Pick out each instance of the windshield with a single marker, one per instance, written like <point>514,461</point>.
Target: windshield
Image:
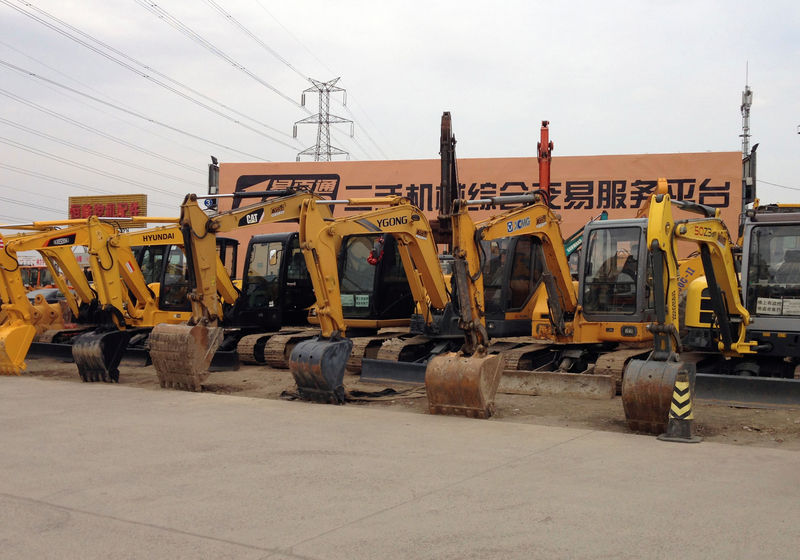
<point>263,274</point>
<point>773,275</point>
<point>358,275</point>
<point>611,271</point>
<point>176,282</point>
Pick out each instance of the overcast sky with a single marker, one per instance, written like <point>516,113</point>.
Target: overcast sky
<point>612,77</point>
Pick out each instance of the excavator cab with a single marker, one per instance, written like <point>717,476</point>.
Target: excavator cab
<point>276,287</point>
<point>615,266</point>
<point>771,277</point>
<point>373,283</point>
<point>512,271</point>
<point>174,283</point>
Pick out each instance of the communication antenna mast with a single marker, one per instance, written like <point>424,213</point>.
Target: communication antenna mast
<point>322,150</point>
<point>747,100</point>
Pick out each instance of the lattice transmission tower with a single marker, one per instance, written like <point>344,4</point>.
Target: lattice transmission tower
<point>322,150</point>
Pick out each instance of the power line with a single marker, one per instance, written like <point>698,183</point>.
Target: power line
<point>159,12</point>
<point>777,185</point>
<point>102,110</point>
<point>82,166</point>
<point>255,38</point>
<point>98,132</point>
<point>326,67</point>
<point>147,71</point>
<point>127,111</point>
<point>93,152</point>
<point>28,204</point>
<point>71,184</point>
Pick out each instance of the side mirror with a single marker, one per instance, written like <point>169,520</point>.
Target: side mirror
<point>273,257</point>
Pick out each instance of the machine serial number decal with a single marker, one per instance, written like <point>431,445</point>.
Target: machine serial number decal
<point>703,231</point>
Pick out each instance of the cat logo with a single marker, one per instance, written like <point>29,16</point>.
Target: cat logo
<point>252,218</point>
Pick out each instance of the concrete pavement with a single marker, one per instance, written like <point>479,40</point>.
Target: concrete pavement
<point>100,471</point>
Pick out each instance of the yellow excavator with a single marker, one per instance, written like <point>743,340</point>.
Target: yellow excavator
<point>318,364</point>
<point>120,303</point>
<point>18,331</point>
<point>769,247</point>
<point>129,306</point>
<point>647,385</point>
<point>181,353</point>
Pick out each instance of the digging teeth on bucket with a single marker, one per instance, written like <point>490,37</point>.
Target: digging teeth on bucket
<point>98,354</point>
<point>463,385</point>
<point>181,354</point>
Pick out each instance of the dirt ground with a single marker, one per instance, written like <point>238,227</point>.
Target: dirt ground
<point>777,428</point>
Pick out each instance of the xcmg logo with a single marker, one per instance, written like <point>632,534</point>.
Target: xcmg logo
<point>392,222</point>
<point>252,218</point>
<point>514,225</point>
<point>150,237</point>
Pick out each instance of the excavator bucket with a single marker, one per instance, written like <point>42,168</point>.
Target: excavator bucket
<point>15,339</point>
<point>182,354</point>
<point>463,385</point>
<point>317,366</point>
<point>98,354</point>
<point>647,390</point>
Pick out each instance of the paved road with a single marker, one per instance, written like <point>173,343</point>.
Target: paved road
<point>98,471</point>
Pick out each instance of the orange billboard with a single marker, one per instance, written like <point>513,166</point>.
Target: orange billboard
<point>581,186</point>
<point>109,206</point>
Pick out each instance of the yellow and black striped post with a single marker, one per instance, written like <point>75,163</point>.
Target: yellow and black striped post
<point>681,418</point>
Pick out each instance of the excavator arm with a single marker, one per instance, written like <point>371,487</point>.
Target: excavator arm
<point>466,382</point>
<point>716,252</point>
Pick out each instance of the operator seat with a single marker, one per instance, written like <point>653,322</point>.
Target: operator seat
<point>789,271</point>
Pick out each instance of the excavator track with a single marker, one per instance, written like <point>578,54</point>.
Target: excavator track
<point>392,349</point>
<point>613,363</point>
<point>512,356</point>
<point>280,345</point>
<point>250,348</point>
<point>367,347</point>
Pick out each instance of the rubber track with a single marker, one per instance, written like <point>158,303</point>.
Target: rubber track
<point>280,345</point>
